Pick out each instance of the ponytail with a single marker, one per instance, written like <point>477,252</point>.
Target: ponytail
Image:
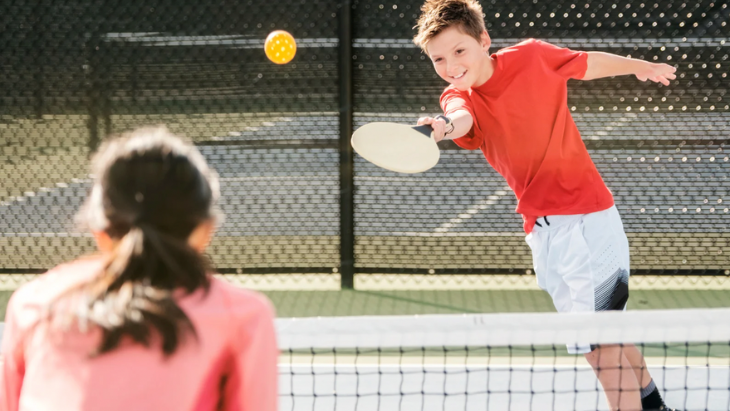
<point>135,292</point>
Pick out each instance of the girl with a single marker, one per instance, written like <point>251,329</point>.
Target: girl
<point>143,325</point>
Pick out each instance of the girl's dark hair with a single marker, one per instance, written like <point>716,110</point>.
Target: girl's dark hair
<point>151,190</point>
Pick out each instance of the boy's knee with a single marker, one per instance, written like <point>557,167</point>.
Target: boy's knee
<point>605,356</point>
<point>592,357</point>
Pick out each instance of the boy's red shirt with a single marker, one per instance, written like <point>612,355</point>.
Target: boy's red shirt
<point>524,128</point>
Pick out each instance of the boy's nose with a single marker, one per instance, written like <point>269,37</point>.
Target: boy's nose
<point>451,69</point>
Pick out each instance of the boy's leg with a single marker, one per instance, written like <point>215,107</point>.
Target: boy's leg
<point>583,264</point>
<point>650,397</point>
<point>617,377</point>
<point>633,361</point>
<point>603,233</point>
<point>634,356</point>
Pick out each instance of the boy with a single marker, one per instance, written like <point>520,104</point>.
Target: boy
<point>513,106</point>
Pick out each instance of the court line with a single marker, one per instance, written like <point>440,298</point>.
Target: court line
<point>415,301</point>
<point>157,39</point>
<point>473,210</point>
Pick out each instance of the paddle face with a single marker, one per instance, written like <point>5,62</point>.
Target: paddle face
<point>397,147</point>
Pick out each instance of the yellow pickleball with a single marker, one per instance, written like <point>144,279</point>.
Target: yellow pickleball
<point>280,47</point>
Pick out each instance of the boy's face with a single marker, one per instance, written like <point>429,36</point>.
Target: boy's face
<point>459,58</point>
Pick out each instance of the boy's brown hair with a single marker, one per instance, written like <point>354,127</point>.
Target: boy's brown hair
<point>438,15</point>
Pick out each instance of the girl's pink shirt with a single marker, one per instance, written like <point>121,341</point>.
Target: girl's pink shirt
<point>232,365</point>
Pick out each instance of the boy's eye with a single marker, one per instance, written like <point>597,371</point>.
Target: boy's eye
<point>459,51</point>
<point>437,60</point>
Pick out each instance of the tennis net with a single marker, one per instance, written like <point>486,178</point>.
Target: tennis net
<point>496,361</point>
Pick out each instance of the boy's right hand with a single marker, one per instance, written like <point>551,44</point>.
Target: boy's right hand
<point>438,125</point>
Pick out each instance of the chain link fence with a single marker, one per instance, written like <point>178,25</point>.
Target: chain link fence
<point>295,198</point>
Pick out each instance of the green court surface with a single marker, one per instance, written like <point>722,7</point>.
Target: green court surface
<point>404,302</point>
<point>409,302</point>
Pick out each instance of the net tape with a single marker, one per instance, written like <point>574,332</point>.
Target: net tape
<point>610,327</point>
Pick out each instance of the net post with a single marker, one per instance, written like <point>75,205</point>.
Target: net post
<point>347,217</point>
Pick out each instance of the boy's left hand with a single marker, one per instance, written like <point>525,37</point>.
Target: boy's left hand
<point>656,72</point>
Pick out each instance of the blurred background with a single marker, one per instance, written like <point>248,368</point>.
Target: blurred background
<point>318,229</point>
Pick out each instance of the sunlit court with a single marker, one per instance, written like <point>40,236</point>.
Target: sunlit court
<point>393,290</point>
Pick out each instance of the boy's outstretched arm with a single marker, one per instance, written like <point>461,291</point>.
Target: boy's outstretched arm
<point>607,65</point>
<point>461,123</point>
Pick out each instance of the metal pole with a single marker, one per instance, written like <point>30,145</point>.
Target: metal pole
<point>347,209</point>
<point>91,71</point>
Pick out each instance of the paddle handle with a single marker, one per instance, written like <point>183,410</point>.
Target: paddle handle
<point>426,129</point>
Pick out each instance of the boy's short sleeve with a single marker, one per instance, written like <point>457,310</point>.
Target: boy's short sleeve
<point>453,100</point>
<point>565,62</point>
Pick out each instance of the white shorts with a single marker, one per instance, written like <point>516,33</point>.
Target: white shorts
<point>582,261</point>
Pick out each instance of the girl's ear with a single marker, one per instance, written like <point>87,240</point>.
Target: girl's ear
<point>104,243</point>
<point>201,235</point>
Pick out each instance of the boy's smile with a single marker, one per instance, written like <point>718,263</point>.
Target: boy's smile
<point>460,59</point>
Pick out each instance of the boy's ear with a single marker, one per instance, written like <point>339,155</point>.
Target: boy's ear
<point>486,41</point>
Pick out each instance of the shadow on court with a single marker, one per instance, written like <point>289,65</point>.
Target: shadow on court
<point>410,302</point>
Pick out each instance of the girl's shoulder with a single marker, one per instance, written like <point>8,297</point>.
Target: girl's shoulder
<point>233,299</point>
<point>48,286</point>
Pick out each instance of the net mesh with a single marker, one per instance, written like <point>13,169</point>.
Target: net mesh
<point>496,362</point>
